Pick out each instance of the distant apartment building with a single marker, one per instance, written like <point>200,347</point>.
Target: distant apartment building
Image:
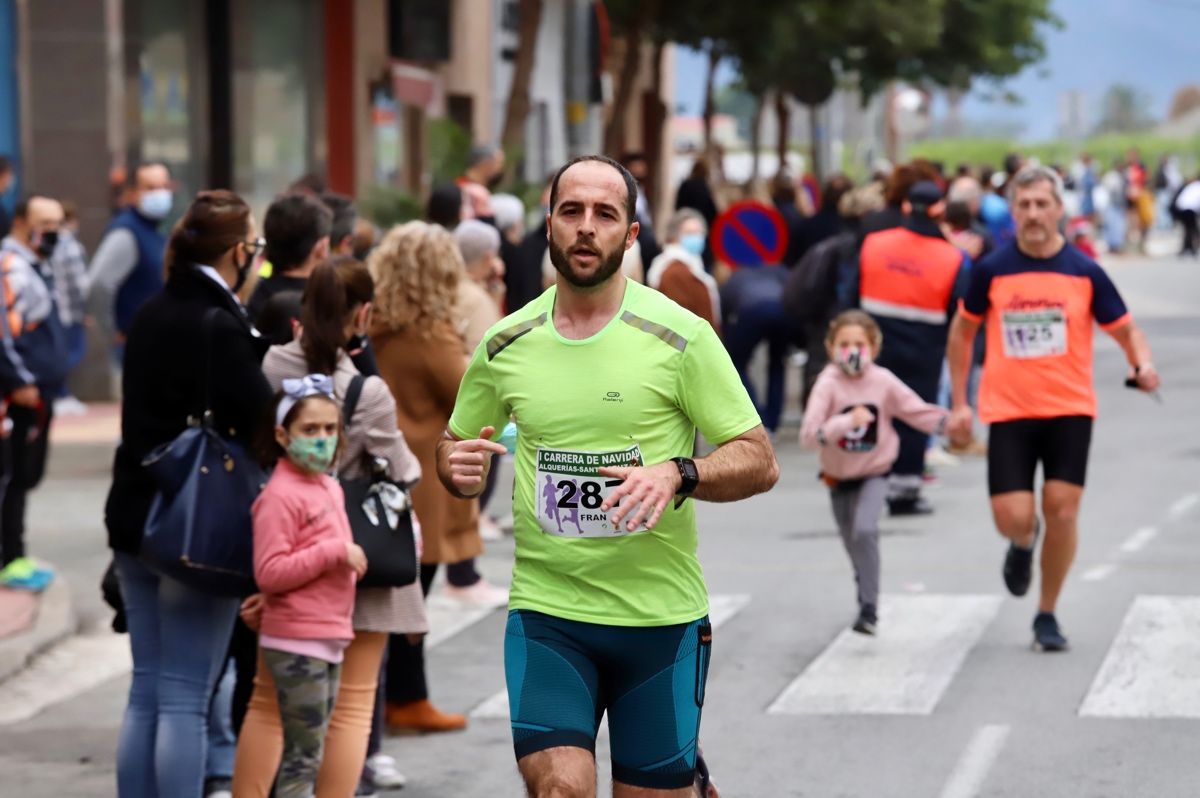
<point>251,94</point>
<point>1074,122</point>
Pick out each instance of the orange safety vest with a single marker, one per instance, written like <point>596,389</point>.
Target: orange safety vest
<point>15,324</point>
<point>906,276</point>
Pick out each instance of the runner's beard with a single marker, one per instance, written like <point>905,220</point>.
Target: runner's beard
<point>609,264</point>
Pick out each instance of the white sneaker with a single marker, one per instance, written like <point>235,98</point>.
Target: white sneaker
<point>384,774</point>
<point>69,406</point>
<point>480,594</point>
<point>937,456</point>
<point>489,530</point>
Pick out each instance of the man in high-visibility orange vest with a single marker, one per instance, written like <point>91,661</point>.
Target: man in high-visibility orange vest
<point>910,279</point>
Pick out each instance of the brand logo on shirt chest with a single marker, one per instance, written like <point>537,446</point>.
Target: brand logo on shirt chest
<point>1018,302</point>
<point>612,396</point>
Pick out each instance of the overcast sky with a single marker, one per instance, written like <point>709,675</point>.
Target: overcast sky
<point>1152,44</point>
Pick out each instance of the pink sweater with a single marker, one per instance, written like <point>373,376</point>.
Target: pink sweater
<point>848,453</point>
<point>300,536</point>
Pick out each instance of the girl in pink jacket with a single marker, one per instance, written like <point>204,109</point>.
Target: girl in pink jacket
<point>306,564</point>
<point>849,419</point>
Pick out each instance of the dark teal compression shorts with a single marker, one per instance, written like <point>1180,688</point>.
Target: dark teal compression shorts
<point>564,675</point>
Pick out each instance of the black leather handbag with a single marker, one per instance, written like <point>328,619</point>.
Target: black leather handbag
<point>199,529</point>
<point>380,512</point>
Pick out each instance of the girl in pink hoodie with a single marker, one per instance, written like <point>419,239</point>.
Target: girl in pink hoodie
<point>306,564</point>
<point>849,419</point>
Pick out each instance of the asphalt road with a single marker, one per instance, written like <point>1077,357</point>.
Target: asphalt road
<point>949,701</point>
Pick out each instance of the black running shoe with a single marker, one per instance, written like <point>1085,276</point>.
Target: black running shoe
<point>1046,634</point>
<point>704,783</point>
<point>1018,566</point>
<point>867,620</point>
<point>916,505</point>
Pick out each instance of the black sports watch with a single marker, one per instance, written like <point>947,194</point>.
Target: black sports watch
<point>688,474</point>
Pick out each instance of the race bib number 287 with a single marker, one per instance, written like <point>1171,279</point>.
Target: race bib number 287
<point>569,490</point>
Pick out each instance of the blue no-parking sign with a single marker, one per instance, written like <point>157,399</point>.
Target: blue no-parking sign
<point>750,233</point>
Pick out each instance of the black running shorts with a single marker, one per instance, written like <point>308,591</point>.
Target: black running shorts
<point>1016,447</point>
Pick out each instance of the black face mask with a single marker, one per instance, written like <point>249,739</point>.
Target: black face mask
<point>47,241</point>
<point>243,270</point>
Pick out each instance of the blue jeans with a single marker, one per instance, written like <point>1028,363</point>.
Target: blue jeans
<point>222,742</point>
<point>179,638</point>
<point>762,323</point>
<point>76,349</point>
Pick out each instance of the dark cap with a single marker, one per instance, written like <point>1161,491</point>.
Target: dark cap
<point>924,193</point>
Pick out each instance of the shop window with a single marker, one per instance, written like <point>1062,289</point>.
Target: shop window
<point>165,96</point>
<point>419,30</point>
<point>278,96</point>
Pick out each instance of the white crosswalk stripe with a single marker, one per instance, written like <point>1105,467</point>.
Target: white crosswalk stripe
<point>1153,665</point>
<point>1150,670</point>
<point>722,608</point>
<point>922,642</point>
<point>70,668</point>
<point>448,618</point>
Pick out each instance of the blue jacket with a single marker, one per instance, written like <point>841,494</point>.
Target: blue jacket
<point>34,340</point>
<point>146,279</point>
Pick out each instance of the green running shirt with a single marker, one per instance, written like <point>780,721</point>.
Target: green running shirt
<point>636,391</point>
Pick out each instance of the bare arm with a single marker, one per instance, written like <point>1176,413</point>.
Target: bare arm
<point>738,469</point>
<point>1137,353</point>
<point>958,357</point>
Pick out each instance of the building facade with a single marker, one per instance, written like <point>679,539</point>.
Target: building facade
<point>252,94</point>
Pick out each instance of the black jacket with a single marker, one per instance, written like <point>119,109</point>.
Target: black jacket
<point>523,277</point>
<point>694,193</point>
<point>269,287</point>
<point>163,383</point>
<point>876,221</point>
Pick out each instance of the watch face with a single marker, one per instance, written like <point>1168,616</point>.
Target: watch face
<point>688,473</point>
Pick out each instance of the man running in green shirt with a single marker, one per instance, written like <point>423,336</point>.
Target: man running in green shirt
<point>607,381</point>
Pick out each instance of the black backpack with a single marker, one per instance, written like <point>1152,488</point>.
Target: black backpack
<point>810,293</point>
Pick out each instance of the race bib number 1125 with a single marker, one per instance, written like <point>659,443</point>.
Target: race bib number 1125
<point>568,491</point>
<point>1034,334</point>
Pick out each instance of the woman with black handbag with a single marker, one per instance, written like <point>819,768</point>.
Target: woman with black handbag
<point>336,309</point>
<point>190,355</point>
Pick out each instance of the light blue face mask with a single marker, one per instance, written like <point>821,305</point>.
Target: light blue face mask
<point>693,243</point>
<point>155,204</point>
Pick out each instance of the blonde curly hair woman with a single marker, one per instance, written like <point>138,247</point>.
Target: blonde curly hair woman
<point>417,268</point>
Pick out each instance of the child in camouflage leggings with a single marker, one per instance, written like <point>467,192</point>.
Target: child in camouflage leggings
<point>306,563</point>
<point>306,687</point>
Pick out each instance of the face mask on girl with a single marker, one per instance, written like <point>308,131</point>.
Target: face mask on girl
<point>693,243</point>
<point>314,454</point>
<point>852,360</point>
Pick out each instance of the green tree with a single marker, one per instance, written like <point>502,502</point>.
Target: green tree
<point>1125,109</point>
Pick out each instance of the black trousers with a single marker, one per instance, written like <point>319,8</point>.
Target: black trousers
<point>405,670</point>
<point>243,648</point>
<point>818,358</point>
<point>1191,232</point>
<point>924,381</point>
<point>24,465</point>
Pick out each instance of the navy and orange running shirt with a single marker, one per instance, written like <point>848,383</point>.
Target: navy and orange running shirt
<point>1039,315</point>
